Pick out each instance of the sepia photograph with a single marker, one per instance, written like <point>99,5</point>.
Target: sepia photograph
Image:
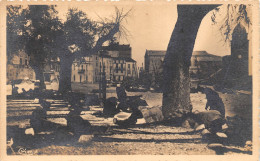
<point>135,78</point>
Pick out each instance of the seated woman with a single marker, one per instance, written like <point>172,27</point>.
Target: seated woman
<point>39,116</point>
<point>214,102</point>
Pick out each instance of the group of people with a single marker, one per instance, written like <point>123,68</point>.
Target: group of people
<point>214,115</point>
<point>122,103</point>
<point>75,123</point>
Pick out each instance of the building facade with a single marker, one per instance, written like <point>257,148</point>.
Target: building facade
<point>202,63</point>
<point>114,61</point>
<point>240,57</point>
<point>18,67</point>
<point>153,61</point>
<point>124,67</point>
<point>117,50</point>
<point>82,70</point>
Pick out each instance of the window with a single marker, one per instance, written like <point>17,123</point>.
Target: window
<point>26,61</point>
<point>82,67</point>
<point>128,69</point>
<point>122,69</point>
<point>116,68</point>
<point>21,61</point>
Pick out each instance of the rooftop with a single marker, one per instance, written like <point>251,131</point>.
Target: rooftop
<point>124,58</point>
<point>155,52</point>
<point>117,47</point>
<point>205,55</point>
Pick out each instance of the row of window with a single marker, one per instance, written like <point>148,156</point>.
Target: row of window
<point>25,61</point>
<point>81,78</point>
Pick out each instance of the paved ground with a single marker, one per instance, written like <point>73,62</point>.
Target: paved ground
<point>143,139</point>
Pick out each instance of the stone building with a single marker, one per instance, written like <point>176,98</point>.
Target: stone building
<point>237,67</point>
<point>53,66</point>
<point>105,66</point>
<point>18,67</point>
<point>52,73</point>
<point>131,69</point>
<point>114,61</point>
<point>82,70</point>
<point>202,63</point>
<point>124,67</point>
<point>239,61</point>
<point>153,61</point>
<point>117,50</point>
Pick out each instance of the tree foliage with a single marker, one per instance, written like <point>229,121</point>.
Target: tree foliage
<point>14,27</point>
<point>84,37</point>
<point>44,36</point>
<point>228,16</point>
<point>41,28</point>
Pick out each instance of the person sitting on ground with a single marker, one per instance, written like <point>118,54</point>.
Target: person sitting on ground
<point>212,119</point>
<point>214,102</point>
<point>39,115</point>
<point>75,122</point>
<point>129,104</point>
<point>110,107</point>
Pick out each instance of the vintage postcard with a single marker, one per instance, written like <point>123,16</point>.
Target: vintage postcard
<point>129,80</point>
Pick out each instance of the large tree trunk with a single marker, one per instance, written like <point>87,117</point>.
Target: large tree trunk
<point>65,74</point>
<point>39,69</point>
<point>176,91</point>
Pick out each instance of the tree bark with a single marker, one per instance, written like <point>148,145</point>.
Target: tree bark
<point>65,74</point>
<point>39,69</point>
<point>176,90</point>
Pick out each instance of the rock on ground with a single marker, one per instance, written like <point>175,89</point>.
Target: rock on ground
<point>29,131</point>
<point>221,135</point>
<point>85,139</point>
<point>200,127</point>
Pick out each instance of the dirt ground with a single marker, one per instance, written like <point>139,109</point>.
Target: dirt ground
<point>142,139</point>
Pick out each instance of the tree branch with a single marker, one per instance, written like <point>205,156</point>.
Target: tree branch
<point>116,27</point>
<point>102,40</point>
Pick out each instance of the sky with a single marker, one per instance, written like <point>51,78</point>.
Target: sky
<point>150,26</point>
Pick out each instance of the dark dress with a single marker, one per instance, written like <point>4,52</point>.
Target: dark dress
<point>214,102</point>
